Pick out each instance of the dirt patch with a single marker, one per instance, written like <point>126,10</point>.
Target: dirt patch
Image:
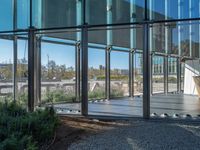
<point>72,129</point>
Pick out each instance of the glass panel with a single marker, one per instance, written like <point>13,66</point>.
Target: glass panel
<point>157,38</point>
<point>68,14</point>
<point>195,39</point>
<point>119,74</point>
<point>138,74</point>
<point>6,67</point>
<point>22,71</point>
<point>114,11</point>
<point>96,72</point>
<point>172,74</point>
<point>23,14</point>
<point>173,39</point>
<point>130,37</point>
<point>57,72</point>
<point>173,9</point>
<point>158,74</point>
<point>6,15</point>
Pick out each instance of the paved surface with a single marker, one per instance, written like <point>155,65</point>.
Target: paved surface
<point>144,136</point>
<point>170,104</point>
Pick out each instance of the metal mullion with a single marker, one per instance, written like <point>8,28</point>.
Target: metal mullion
<point>14,50</point>
<point>166,74</point>
<point>131,74</point>
<point>84,74</point>
<point>146,73</point>
<point>107,73</point>
<point>31,70</point>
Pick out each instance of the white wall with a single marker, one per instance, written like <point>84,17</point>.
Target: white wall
<point>192,68</point>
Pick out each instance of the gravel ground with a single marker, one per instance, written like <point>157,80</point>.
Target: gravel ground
<point>143,135</point>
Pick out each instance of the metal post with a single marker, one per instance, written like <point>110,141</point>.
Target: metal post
<point>179,28</point>
<point>132,47</point>
<point>146,73</point>
<point>152,71</point>
<point>108,51</point>
<point>166,74</point>
<point>190,29</point>
<point>166,50</point>
<point>78,72</point>
<point>31,70</point>
<point>84,89</point>
<point>178,68</point>
<point>15,68</point>
<point>109,46</point>
<point>131,59</point>
<point>14,50</point>
<point>79,12</point>
<point>38,70</point>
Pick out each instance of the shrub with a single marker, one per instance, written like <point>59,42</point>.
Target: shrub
<point>96,94</point>
<point>58,96</point>
<point>20,129</point>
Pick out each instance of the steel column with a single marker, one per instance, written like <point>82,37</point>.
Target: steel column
<point>38,70</point>
<point>14,50</point>
<point>109,47</point>
<point>15,68</point>
<point>132,47</point>
<point>84,83</point>
<point>178,68</point>
<point>107,73</point>
<point>146,73</point>
<point>79,11</point>
<point>31,70</point>
<point>190,29</point>
<point>166,74</point>
<point>78,72</point>
<point>131,59</point>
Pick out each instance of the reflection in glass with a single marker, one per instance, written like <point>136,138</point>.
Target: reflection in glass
<point>119,11</point>
<point>23,14</point>
<point>6,15</point>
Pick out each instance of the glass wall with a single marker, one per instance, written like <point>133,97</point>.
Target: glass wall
<point>22,71</point>
<point>68,14</point>
<point>6,70</point>
<point>57,71</point>
<point>6,15</point>
<point>119,74</point>
<point>96,73</point>
<point>172,74</point>
<point>173,9</point>
<point>114,11</point>
<point>23,14</point>
<point>138,74</point>
<point>158,74</point>
<point>115,53</point>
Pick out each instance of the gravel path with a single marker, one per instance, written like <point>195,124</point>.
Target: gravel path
<point>144,135</point>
